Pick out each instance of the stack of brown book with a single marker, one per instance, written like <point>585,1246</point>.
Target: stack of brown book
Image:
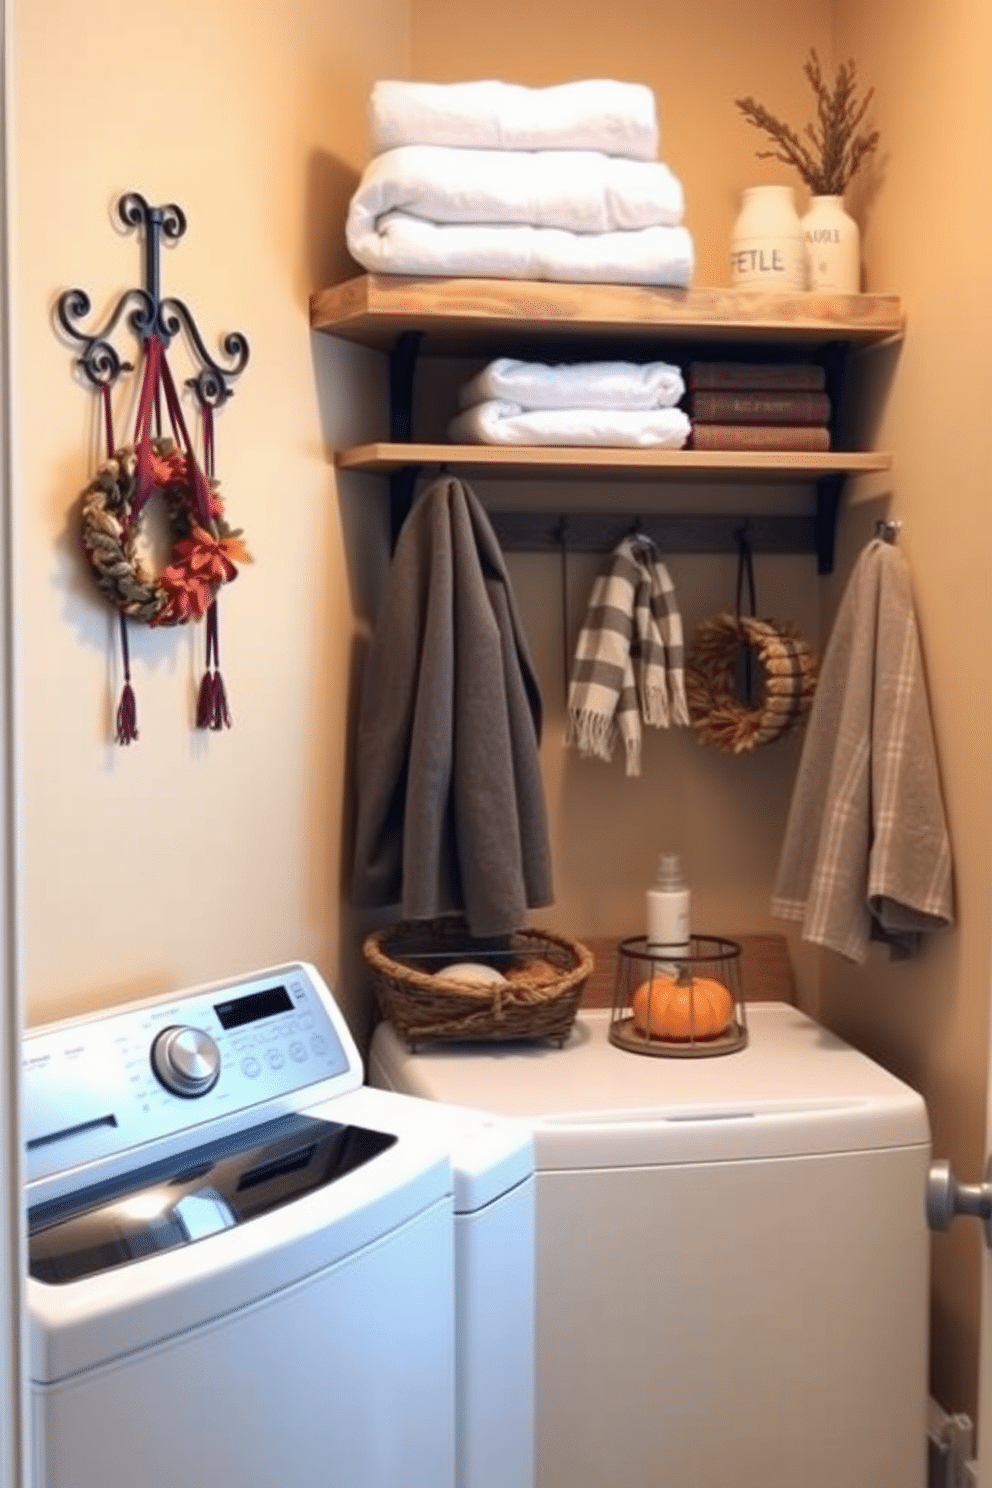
<point>758,406</point>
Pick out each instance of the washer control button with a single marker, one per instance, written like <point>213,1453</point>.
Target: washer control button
<point>186,1060</point>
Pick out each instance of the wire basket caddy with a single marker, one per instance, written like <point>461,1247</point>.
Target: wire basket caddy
<point>678,1005</point>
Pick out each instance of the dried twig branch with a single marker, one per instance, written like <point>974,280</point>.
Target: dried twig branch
<point>837,147</point>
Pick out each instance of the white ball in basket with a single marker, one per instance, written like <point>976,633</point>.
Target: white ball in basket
<point>472,973</point>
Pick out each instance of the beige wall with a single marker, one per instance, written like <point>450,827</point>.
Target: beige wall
<point>929,1020</point>
<point>698,59</point>
<point>188,857</point>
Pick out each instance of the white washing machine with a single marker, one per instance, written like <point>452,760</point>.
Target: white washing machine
<point>732,1254</point>
<point>243,1262</point>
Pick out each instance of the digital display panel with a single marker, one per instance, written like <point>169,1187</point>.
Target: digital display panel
<point>256,1005</point>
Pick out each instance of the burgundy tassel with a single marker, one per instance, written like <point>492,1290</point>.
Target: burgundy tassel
<point>127,716</point>
<point>205,701</point>
<point>212,711</point>
<point>221,714</point>
<point>127,709</point>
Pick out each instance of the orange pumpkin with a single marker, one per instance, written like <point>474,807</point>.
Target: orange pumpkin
<point>682,1008</point>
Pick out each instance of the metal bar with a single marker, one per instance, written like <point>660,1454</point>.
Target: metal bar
<point>673,532</point>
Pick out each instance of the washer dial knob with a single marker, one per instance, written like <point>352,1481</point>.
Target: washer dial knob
<point>186,1060</point>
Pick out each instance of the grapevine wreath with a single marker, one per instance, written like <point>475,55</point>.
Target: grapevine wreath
<point>787,681</point>
<point>204,551</point>
<point>203,556</point>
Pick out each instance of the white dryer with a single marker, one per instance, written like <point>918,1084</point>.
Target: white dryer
<point>732,1254</point>
<point>243,1262</point>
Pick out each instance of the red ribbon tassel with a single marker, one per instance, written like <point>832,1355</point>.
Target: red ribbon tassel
<point>127,708</point>
<point>212,711</point>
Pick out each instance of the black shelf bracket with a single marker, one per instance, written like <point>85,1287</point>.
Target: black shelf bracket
<point>148,312</point>
<point>402,370</point>
<point>829,489</point>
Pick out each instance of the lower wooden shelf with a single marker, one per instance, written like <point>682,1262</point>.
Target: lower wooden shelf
<point>593,463</point>
<point>539,530</point>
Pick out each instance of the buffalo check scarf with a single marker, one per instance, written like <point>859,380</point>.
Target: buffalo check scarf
<point>628,663</point>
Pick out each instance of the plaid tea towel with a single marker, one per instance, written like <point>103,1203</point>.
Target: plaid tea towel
<point>628,663</point>
<point>866,854</point>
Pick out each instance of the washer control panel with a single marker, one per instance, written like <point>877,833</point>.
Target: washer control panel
<point>110,1081</point>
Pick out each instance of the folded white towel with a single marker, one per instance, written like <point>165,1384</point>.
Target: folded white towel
<point>631,385</point>
<point>578,190</point>
<point>399,244</point>
<point>499,422</point>
<point>591,114</point>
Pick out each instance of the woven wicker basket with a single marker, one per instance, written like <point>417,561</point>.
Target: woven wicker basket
<point>544,977</point>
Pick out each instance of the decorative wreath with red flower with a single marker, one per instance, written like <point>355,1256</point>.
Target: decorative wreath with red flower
<point>204,555</point>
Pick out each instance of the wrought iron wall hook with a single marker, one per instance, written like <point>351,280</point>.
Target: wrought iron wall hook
<point>148,313</point>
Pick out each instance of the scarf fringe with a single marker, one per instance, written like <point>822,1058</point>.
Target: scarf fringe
<point>592,733</point>
<point>680,707</point>
<point>655,707</point>
<point>633,752</point>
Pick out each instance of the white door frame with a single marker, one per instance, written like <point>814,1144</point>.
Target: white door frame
<point>15,1468</point>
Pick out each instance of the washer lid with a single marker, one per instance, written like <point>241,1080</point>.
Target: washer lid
<point>199,1192</point>
<point>174,1289</point>
<point>795,1090</point>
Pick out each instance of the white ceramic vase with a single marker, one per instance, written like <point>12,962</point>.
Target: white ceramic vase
<point>767,249</point>
<point>833,246</point>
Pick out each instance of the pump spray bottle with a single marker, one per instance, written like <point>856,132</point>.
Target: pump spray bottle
<point>668,934</point>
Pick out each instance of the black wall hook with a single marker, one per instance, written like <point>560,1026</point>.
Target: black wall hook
<point>149,312</point>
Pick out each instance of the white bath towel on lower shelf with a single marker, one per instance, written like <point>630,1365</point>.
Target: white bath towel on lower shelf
<point>399,244</point>
<point>628,385</point>
<point>498,422</point>
<point>588,114</point>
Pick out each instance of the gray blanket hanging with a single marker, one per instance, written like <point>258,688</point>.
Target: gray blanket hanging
<point>450,813</point>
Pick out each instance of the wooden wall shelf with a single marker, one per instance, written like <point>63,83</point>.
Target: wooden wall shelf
<point>466,315</point>
<point>409,318</point>
<point>618,464</point>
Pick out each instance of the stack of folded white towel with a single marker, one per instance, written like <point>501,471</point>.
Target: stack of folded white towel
<point>502,181</point>
<point>581,403</point>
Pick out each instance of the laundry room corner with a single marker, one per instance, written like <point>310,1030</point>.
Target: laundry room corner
<point>189,791</point>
